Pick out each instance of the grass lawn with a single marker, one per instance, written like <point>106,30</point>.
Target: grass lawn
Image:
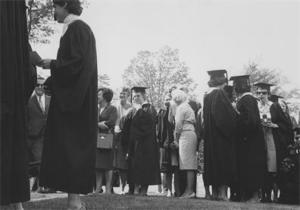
<point>151,202</point>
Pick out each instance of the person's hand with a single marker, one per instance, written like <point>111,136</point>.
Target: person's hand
<point>270,125</point>
<point>102,125</point>
<point>117,129</point>
<point>166,145</point>
<point>174,145</point>
<point>45,64</point>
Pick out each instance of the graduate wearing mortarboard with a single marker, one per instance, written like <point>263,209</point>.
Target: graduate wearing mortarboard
<point>140,129</point>
<point>220,127</point>
<point>251,147</point>
<point>263,93</point>
<point>283,134</point>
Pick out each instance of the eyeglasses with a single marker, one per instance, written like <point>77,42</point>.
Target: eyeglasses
<point>40,85</point>
<point>261,92</point>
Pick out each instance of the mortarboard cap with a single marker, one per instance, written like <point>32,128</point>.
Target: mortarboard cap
<point>217,77</point>
<point>240,78</point>
<point>274,98</point>
<point>264,85</point>
<point>241,83</point>
<point>139,89</point>
<point>217,73</point>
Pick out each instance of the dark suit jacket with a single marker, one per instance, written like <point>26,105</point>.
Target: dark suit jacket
<point>109,115</point>
<point>36,117</point>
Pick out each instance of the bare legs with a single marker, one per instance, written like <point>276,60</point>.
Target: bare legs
<point>190,182</point>
<point>74,202</point>
<point>108,178</point>
<point>220,192</point>
<point>123,178</point>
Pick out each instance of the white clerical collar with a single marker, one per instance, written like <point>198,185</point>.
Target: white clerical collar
<point>211,89</point>
<point>246,94</point>
<point>68,20</point>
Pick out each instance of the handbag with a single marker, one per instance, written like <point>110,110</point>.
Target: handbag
<point>105,141</point>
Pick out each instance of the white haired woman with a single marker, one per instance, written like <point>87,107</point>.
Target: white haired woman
<point>186,137</point>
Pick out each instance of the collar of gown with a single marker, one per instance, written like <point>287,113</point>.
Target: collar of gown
<point>139,106</point>
<point>211,89</point>
<point>68,20</point>
<point>247,94</point>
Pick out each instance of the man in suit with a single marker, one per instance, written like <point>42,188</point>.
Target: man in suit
<point>37,116</point>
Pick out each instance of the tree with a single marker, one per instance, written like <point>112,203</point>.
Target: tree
<point>40,20</point>
<point>158,71</point>
<point>103,80</point>
<point>259,74</point>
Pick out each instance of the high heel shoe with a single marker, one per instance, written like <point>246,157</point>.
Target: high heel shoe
<point>192,195</point>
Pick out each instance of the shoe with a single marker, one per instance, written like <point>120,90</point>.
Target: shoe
<point>129,193</point>
<point>46,190</point>
<point>35,186</point>
<point>169,194</point>
<point>192,195</point>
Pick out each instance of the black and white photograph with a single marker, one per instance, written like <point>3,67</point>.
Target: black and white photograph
<point>149,104</point>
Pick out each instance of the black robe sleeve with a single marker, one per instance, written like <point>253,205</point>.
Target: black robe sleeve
<point>284,122</point>
<point>75,67</point>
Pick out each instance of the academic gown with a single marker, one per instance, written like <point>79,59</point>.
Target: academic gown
<point>220,164</point>
<point>251,146</point>
<point>68,161</point>
<point>17,84</point>
<point>283,135</point>
<point>140,130</point>
<point>163,139</point>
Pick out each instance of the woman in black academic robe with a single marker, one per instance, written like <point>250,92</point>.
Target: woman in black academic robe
<point>68,161</point>
<point>140,129</point>
<point>251,148</point>
<point>17,84</point>
<point>283,135</point>
<point>220,127</point>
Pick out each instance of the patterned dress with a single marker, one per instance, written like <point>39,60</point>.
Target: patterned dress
<point>265,115</point>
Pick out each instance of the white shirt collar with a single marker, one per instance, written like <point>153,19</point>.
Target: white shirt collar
<point>42,100</point>
<point>68,20</point>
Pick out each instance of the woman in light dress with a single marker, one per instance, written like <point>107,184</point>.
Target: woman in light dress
<point>186,138</point>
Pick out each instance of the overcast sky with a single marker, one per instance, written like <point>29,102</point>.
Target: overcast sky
<point>210,34</point>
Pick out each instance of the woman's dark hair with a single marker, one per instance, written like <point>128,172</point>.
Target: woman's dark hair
<point>73,6</point>
<point>242,88</point>
<point>107,94</point>
<point>217,81</point>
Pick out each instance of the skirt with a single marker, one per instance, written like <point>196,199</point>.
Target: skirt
<point>271,150</point>
<point>104,159</point>
<point>120,151</point>
<point>165,160</point>
<point>188,150</point>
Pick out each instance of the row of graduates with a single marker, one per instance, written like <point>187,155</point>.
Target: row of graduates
<point>244,142</point>
<point>139,131</point>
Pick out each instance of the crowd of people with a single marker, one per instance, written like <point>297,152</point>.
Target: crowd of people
<point>250,142</point>
<point>78,141</point>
